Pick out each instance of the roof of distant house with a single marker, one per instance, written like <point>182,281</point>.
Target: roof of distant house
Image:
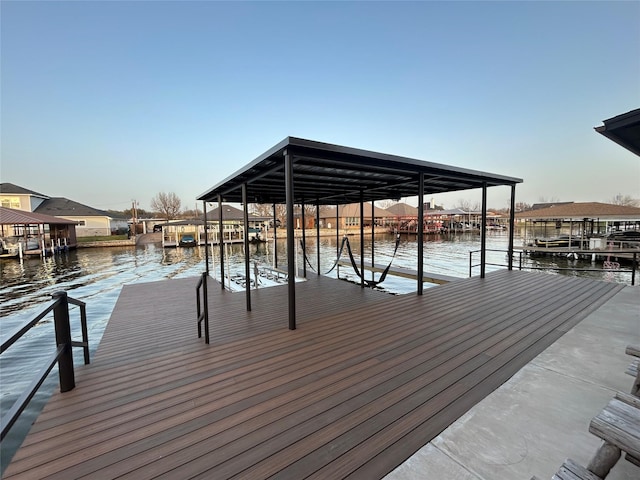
<point>539,206</point>
<point>61,206</point>
<point>352,210</point>
<point>10,188</point>
<point>231,213</point>
<point>581,210</point>
<point>10,216</point>
<point>403,210</point>
<point>451,211</point>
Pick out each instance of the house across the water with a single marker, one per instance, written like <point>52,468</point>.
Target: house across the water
<point>89,221</point>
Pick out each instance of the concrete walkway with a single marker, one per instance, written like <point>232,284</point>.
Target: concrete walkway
<point>541,416</point>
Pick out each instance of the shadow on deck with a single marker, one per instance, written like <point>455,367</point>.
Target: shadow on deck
<point>365,381</point>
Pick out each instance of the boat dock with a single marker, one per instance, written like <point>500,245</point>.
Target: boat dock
<point>365,380</point>
<point>628,254</point>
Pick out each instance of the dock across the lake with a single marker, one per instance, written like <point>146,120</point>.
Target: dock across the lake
<point>365,380</point>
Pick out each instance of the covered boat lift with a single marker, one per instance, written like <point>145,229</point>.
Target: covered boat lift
<point>51,234</point>
<point>300,171</point>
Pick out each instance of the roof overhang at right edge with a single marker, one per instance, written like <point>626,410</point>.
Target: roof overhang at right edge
<point>623,129</point>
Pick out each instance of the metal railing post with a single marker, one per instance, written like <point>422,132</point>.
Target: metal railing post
<point>633,269</point>
<point>205,301</point>
<point>202,308</point>
<point>198,308</point>
<point>63,339</point>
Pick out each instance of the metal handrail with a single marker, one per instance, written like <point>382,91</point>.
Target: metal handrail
<point>63,355</point>
<point>202,308</point>
<point>632,270</point>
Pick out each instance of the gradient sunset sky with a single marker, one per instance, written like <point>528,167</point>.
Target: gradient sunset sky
<point>107,102</point>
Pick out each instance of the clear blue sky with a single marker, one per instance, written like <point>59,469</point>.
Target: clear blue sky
<point>105,102</point>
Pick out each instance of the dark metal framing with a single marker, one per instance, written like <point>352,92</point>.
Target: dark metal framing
<point>206,239</point>
<point>247,260</point>
<point>338,175</point>
<point>221,240</point>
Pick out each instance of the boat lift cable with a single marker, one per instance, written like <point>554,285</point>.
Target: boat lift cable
<point>306,259</point>
<point>372,283</point>
<point>304,251</point>
<point>344,240</point>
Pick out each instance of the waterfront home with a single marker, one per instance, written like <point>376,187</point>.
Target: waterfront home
<point>89,221</point>
<point>347,216</point>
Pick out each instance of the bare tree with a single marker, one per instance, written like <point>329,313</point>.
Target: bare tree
<point>625,200</point>
<point>387,203</point>
<point>468,206</point>
<point>522,206</point>
<point>266,210</point>
<point>167,205</point>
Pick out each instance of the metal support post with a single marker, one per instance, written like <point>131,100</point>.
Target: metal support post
<point>247,266</point>
<point>206,239</point>
<point>512,222</point>
<point>275,238</point>
<point>373,241</point>
<point>221,240</point>
<point>318,235</point>
<point>483,232</point>
<point>420,232</point>
<point>304,242</point>
<point>361,240</point>
<point>291,243</point>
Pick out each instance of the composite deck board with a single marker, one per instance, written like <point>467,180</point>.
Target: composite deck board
<point>364,381</point>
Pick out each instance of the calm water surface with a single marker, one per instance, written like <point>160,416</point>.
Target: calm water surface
<point>96,276</point>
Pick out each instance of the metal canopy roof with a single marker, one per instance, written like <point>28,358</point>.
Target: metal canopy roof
<point>623,129</point>
<point>332,174</point>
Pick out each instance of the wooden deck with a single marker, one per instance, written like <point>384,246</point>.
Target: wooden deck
<point>366,379</point>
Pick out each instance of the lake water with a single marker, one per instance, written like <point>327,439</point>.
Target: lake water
<point>96,276</point>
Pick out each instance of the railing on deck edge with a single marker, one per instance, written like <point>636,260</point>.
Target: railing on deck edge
<point>632,270</point>
<point>202,307</point>
<point>63,355</point>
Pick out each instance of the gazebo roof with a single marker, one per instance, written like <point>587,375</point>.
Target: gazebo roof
<point>333,174</point>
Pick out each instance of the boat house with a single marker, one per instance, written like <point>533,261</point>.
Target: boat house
<point>306,172</point>
<point>28,233</point>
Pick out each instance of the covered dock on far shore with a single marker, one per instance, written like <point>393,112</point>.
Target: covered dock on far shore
<point>29,233</point>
